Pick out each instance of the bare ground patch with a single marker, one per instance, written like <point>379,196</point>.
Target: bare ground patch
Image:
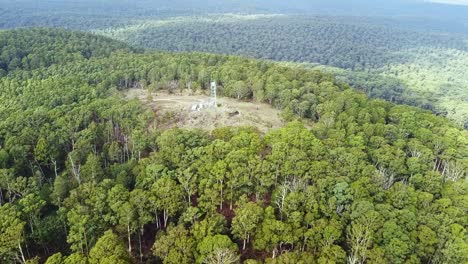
<point>175,110</point>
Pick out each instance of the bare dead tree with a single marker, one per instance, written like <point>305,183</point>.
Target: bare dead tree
<point>222,256</point>
<point>76,169</point>
<point>452,171</point>
<point>359,240</point>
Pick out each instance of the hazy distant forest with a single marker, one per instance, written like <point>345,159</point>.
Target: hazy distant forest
<point>354,175</point>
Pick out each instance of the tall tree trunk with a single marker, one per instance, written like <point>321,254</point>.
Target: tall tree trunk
<point>157,219</point>
<point>55,168</point>
<point>129,239</point>
<point>21,251</point>
<point>165,218</point>
<point>232,198</point>
<point>75,170</point>
<point>139,242</point>
<point>41,171</point>
<point>221,203</point>
<point>31,225</point>
<point>86,243</point>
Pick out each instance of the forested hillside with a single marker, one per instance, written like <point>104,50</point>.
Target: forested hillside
<point>399,64</point>
<point>87,177</point>
<point>345,42</point>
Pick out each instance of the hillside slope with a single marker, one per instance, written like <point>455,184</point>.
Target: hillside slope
<point>427,66</point>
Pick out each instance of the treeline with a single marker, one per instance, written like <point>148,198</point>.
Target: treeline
<point>86,177</point>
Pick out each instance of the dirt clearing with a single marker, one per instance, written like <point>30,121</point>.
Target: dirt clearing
<point>177,110</point>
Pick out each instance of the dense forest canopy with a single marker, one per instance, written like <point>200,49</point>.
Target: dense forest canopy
<point>87,177</point>
<point>407,51</point>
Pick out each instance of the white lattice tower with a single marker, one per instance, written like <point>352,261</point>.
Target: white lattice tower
<point>213,89</point>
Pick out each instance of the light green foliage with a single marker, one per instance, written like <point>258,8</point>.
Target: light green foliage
<point>124,213</point>
<point>76,258</point>
<point>57,258</point>
<point>168,196</point>
<point>108,249</point>
<point>291,258</point>
<point>11,233</point>
<point>437,74</point>
<point>273,234</point>
<point>34,260</point>
<point>209,226</point>
<point>31,206</point>
<point>332,254</point>
<point>211,245</point>
<point>88,215</point>
<point>244,224</point>
<point>176,246</point>
<point>91,170</point>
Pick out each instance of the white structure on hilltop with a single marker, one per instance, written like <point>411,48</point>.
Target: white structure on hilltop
<point>212,102</point>
<point>213,89</point>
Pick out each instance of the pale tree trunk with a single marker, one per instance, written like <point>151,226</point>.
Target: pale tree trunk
<point>129,239</point>
<point>157,219</point>
<point>40,169</point>
<point>246,240</point>
<point>166,217</point>
<point>221,203</point>
<point>75,170</point>
<point>31,225</point>
<point>139,242</point>
<point>189,193</point>
<point>231,198</point>
<point>55,168</point>
<point>21,251</point>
